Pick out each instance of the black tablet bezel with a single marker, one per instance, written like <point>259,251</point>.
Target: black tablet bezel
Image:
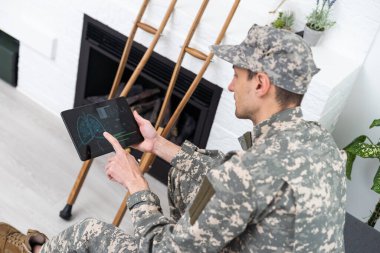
<point>98,145</point>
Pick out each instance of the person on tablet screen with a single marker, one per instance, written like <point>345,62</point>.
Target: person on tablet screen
<point>283,192</point>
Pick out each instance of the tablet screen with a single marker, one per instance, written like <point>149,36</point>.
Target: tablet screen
<point>86,125</point>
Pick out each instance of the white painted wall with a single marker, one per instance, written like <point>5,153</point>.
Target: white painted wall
<point>50,33</point>
<point>363,107</point>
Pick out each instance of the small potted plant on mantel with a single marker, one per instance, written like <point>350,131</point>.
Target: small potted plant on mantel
<point>318,21</point>
<point>358,147</point>
<point>284,20</point>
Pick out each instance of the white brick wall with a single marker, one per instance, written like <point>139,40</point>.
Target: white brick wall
<point>363,107</point>
<point>50,33</point>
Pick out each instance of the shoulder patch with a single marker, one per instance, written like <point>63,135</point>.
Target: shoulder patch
<point>205,193</point>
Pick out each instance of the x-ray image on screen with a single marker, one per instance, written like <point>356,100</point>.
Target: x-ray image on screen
<point>86,125</point>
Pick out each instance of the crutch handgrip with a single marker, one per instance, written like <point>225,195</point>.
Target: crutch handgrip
<point>148,28</point>
<point>196,53</point>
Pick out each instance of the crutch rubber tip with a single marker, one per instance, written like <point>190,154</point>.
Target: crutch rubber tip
<point>66,212</point>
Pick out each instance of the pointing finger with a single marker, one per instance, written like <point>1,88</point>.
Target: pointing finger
<point>114,142</point>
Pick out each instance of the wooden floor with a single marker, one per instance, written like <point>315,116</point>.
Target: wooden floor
<point>38,167</point>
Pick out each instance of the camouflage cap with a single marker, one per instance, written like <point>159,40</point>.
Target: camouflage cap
<point>283,55</point>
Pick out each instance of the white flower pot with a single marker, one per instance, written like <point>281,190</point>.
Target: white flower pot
<point>311,36</point>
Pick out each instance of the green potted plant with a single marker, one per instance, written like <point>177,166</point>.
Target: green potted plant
<point>284,20</point>
<point>358,147</point>
<point>318,21</point>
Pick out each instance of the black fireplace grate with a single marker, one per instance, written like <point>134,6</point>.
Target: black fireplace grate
<point>155,67</point>
<point>105,40</point>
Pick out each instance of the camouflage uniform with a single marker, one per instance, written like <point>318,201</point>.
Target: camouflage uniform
<point>284,192</point>
<point>91,235</point>
<point>292,178</point>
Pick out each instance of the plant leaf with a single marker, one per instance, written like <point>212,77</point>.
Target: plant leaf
<point>376,182</point>
<point>350,161</point>
<point>358,139</point>
<point>365,150</point>
<point>351,156</point>
<point>375,123</point>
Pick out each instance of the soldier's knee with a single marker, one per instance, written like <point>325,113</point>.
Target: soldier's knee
<point>89,222</point>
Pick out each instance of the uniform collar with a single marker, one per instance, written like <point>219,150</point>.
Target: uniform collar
<point>287,115</point>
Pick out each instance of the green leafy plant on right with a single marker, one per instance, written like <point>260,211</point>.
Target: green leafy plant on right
<point>319,19</point>
<point>358,147</point>
<point>285,20</point>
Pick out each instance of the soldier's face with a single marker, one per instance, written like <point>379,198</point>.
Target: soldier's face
<point>244,93</point>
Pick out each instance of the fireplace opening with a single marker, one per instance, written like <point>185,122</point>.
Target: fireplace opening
<point>100,53</point>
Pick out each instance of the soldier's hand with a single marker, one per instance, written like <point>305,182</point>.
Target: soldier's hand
<point>148,132</point>
<point>153,142</point>
<point>122,167</point>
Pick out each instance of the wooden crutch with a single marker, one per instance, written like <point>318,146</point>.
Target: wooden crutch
<point>145,159</point>
<point>278,7</point>
<point>148,158</point>
<point>127,49</point>
<point>65,213</point>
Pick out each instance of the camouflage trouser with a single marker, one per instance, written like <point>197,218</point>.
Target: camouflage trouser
<point>91,235</point>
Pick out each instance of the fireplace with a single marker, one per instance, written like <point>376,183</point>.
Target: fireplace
<point>100,53</point>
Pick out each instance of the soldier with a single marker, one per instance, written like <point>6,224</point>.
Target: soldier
<point>284,192</point>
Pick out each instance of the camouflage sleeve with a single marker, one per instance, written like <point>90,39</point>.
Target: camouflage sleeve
<point>190,165</point>
<point>191,158</point>
<point>209,223</point>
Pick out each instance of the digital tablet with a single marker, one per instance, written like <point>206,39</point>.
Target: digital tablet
<point>86,125</point>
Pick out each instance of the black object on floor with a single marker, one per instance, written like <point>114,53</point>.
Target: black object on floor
<point>9,48</point>
<point>359,237</point>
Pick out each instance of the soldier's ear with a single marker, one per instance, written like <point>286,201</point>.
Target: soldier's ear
<point>263,84</point>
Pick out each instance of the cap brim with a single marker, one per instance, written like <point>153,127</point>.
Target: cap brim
<point>231,53</point>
